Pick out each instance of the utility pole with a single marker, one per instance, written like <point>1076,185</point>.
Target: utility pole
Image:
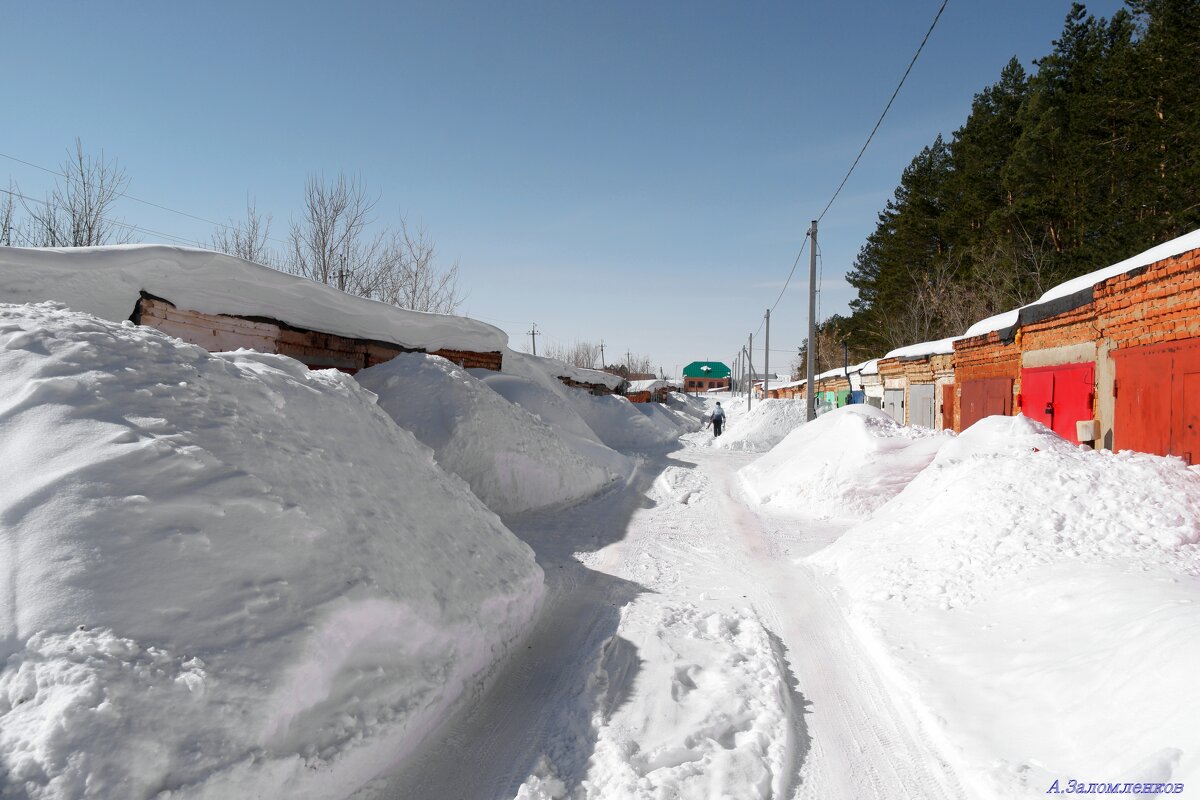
<point>767,359</point>
<point>533,334</point>
<point>810,390</point>
<point>602,364</point>
<point>750,379</point>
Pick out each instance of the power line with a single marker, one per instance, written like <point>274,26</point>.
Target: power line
<point>137,199</point>
<point>885,109</point>
<point>857,158</point>
<point>177,239</point>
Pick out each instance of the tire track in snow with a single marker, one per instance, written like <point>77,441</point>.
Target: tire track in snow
<point>864,744</point>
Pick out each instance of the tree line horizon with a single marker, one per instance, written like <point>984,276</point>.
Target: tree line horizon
<point>1090,159</point>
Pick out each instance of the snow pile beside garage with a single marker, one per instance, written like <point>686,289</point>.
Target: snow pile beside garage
<point>513,460</point>
<point>686,703</point>
<point>1042,602</point>
<point>761,428</point>
<point>225,575</point>
<point>844,464</point>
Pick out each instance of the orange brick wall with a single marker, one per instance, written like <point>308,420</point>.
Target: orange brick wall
<point>984,356</point>
<point>1160,303</point>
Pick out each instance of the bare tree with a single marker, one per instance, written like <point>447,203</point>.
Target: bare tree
<point>246,238</point>
<point>411,278</point>
<point>577,354</point>
<point>78,211</point>
<point>335,242</point>
<point>332,243</point>
<point>8,206</point>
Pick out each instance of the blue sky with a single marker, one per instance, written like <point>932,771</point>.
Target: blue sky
<point>641,173</point>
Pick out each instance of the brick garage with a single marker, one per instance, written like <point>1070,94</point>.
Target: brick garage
<point>911,380</point>
<point>986,372</point>
<point>1120,346</point>
<point>315,349</point>
<point>1149,319</point>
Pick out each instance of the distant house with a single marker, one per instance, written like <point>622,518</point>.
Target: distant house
<point>219,302</point>
<point>700,376</point>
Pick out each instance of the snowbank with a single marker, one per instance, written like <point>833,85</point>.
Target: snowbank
<point>512,459</point>
<point>225,575</point>
<point>1042,602</point>
<point>524,384</point>
<point>107,282</point>
<point>624,425</point>
<point>614,420</point>
<point>763,427</point>
<point>844,464</point>
<point>712,715</point>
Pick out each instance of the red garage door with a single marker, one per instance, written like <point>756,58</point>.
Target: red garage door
<point>1059,396</point>
<point>1157,407</point>
<point>984,397</point>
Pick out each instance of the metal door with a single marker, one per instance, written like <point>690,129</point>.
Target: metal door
<point>1059,396</point>
<point>1157,406</point>
<point>984,397</point>
<point>947,406</point>
<point>1187,439</point>
<point>920,404</point>
<point>893,404</point>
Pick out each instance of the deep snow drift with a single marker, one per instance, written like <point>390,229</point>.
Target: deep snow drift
<point>225,575</point>
<point>614,420</point>
<point>759,429</point>
<point>1041,603</point>
<point>845,464</point>
<point>513,460</point>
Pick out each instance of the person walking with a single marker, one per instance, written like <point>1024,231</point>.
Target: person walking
<point>718,419</point>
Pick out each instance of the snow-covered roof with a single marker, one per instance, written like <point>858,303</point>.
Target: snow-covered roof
<point>561,369</point>
<point>870,367</point>
<point>1007,319</point>
<point>651,386</point>
<point>938,347</point>
<point>107,282</point>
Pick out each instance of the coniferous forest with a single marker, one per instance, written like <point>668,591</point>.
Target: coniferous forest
<point>1092,157</point>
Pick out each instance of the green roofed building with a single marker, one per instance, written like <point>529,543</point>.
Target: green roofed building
<point>700,376</point>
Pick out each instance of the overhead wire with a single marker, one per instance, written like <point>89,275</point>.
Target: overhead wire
<point>849,172</point>
<point>879,122</point>
<point>128,196</point>
<point>176,239</point>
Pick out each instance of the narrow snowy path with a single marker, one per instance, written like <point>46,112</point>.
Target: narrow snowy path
<point>680,652</point>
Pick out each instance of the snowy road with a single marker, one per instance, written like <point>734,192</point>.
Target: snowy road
<point>681,653</point>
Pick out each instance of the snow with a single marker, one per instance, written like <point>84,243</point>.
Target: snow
<point>225,575</point>
<point>651,386</point>
<point>1040,601</point>
<point>938,347</point>
<point>513,461</point>
<point>757,430</point>
<point>1005,319</point>
<point>844,464</point>
<point>561,369</point>
<point>107,282</point>
<point>1181,244</point>
<point>712,718</point>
